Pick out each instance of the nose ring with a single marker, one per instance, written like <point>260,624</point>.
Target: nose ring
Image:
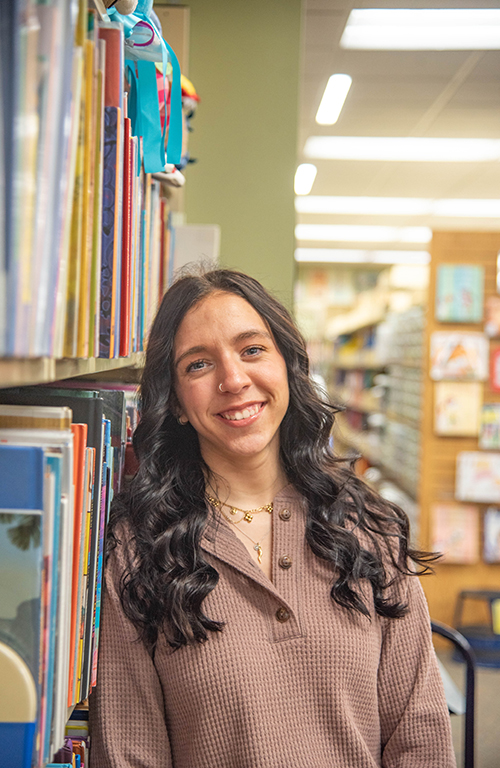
<point>220,387</point>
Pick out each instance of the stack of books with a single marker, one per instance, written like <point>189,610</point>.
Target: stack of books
<point>62,454</point>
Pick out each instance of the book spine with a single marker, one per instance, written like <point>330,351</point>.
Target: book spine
<point>109,243</point>
<point>126,241</point>
<point>82,345</point>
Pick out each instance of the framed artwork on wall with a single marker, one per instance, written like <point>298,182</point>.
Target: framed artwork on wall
<point>489,435</point>
<point>491,552</point>
<point>459,293</point>
<point>478,477</point>
<point>456,532</point>
<point>459,356</point>
<point>492,317</point>
<point>457,408</point>
<point>495,370</point>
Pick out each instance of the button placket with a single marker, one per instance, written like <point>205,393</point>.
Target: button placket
<point>287,535</point>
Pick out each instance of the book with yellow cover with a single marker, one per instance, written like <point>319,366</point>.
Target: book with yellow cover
<point>95,274</point>
<point>82,345</point>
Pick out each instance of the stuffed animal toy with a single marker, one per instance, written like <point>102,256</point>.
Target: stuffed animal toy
<point>123,6</point>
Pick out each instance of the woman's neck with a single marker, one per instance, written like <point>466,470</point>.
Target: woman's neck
<point>246,484</point>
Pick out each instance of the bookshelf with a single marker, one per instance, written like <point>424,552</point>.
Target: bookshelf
<point>85,258</point>
<point>17,372</point>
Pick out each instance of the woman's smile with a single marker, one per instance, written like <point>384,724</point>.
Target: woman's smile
<point>240,416</point>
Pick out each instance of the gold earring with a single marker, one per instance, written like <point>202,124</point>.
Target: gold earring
<point>182,421</point>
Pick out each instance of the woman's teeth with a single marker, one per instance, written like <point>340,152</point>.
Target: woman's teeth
<point>238,415</point>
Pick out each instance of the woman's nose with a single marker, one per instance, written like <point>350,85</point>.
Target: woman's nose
<point>233,377</point>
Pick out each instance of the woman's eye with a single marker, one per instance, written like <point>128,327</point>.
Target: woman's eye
<point>252,351</point>
<point>196,366</point>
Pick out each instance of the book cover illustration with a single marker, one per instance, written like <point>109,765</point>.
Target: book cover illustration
<point>459,293</point>
<point>456,532</point>
<point>459,356</point>
<point>492,317</point>
<point>457,408</point>
<point>495,370</point>
<point>491,552</point>
<point>489,436</point>
<point>478,477</point>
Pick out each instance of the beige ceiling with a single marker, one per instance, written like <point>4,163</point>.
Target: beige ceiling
<point>411,93</point>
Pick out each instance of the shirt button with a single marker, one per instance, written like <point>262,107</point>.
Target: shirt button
<point>285,562</point>
<point>282,615</point>
<point>285,514</point>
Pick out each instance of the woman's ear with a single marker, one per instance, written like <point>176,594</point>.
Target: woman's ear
<point>176,409</point>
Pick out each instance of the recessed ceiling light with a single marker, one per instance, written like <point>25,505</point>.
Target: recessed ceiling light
<point>402,149</point>
<point>304,178</point>
<point>427,29</point>
<point>362,234</point>
<point>353,256</point>
<point>399,206</point>
<point>333,99</point>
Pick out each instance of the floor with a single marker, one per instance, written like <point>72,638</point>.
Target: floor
<point>487,730</point>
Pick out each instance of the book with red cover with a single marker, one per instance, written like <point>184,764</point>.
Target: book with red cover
<point>126,240</point>
<point>112,33</point>
<point>79,445</point>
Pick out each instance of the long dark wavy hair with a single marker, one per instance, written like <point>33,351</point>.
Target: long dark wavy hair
<point>165,511</point>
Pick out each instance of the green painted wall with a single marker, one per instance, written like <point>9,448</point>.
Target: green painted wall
<point>244,63</point>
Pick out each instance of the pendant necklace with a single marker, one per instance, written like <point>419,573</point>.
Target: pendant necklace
<point>247,514</point>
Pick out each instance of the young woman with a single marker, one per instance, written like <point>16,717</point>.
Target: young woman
<point>261,605</point>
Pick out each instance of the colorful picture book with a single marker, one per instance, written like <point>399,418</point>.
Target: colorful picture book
<point>489,437</point>
<point>495,370</point>
<point>492,317</point>
<point>459,293</point>
<point>491,552</point>
<point>456,532</point>
<point>457,408</point>
<point>459,356</point>
<point>478,477</point>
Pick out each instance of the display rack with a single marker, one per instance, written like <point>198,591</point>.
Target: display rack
<point>439,454</point>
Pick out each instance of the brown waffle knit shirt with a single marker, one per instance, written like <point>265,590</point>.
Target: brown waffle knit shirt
<point>293,680</point>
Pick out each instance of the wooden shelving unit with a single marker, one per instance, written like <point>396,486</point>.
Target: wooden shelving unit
<point>17,372</point>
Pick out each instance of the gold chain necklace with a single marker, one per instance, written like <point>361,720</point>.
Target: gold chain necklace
<point>247,514</point>
<point>256,544</point>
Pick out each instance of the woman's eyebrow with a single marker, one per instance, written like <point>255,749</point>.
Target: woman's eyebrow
<point>191,351</point>
<point>252,333</point>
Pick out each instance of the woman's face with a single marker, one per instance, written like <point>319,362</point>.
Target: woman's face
<point>230,379</point>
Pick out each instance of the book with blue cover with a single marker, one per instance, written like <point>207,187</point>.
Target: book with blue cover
<point>21,568</point>
<point>21,506</point>
<point>110,233</point>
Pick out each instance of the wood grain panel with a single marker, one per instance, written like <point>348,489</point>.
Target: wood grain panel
<point>437,482</point>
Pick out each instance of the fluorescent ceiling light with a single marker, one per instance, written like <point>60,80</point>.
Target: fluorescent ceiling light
<point>402,149</point>
<point>399,206</point>
<point>333,99</point>
<point>373,206</point>
<point>426,29</point>
<point>362,234</point>
<point>473,209</point>
<point>353,256</point>
<point>304,178</point>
